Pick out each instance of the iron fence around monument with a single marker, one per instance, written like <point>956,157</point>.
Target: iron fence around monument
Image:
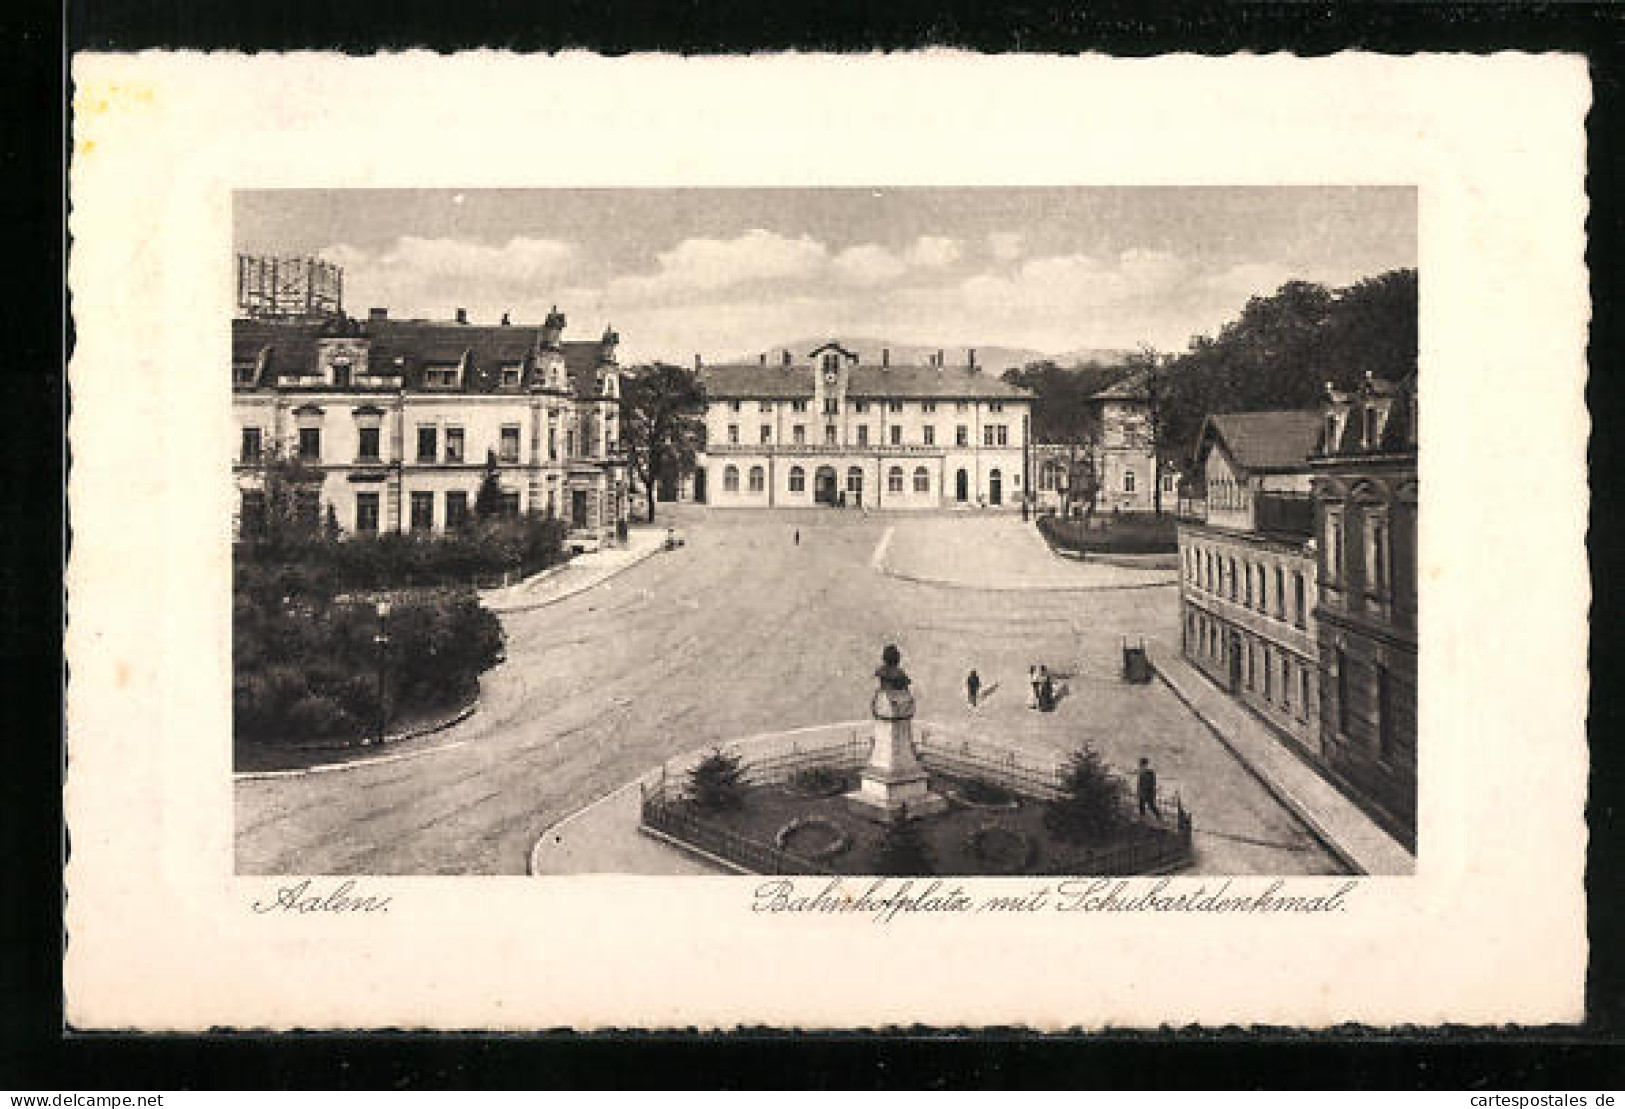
<point>662,814</point>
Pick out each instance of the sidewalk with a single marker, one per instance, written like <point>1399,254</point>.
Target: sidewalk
<point>577,575</point>
<point>1334,819</point>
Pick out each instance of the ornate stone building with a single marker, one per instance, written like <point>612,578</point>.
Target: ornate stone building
<point>1120,451</point>
<point>399,417</point>
<point>1365,490</point>
<point>829,431</point>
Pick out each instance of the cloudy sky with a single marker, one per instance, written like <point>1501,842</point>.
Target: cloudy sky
<point>725,272</point>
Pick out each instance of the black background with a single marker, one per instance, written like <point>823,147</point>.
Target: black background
<point>37,1054</point>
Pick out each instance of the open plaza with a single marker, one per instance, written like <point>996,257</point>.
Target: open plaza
<point>764,623</point>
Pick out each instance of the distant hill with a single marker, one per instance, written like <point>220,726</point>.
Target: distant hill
<point>995,359</point>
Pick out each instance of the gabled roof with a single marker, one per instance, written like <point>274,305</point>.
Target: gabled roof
<point>1265,442</point>
<point>753,382</point>
<point>1132,386</point>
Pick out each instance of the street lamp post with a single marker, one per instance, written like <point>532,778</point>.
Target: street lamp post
<point>382,640</point>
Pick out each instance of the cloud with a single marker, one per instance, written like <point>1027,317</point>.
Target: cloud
<point>432,277</point>
<point>696,265</point>
<point>867,265</point>
<point>1005,246</point>
<point>933,252</point>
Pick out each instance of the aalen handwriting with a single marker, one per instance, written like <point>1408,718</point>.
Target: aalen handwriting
<point>300,898</point>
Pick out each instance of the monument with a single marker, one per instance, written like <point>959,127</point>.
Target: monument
<point>894,783</point>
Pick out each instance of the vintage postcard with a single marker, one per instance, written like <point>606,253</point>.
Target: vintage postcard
<point>1049,542</point>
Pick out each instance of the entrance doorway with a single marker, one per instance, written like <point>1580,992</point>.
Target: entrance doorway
<point>962,487</point>
<point>854,487</point>
<point>995,488</point>
<point>578,508</point>
<point>824,485</point>
<point>699,485</point>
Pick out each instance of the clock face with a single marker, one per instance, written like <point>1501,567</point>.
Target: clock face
<point>829,377</point>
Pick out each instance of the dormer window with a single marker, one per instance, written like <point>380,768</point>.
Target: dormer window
<point>440,377</point>
<point>511,375</point>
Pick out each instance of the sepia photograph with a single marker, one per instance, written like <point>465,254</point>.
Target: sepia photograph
<point>884,531</point>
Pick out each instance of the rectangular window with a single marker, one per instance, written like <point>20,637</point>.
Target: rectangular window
<point>896,435</point>
<point>765,406</point>
<point>831,407</point>
<point>930,434</point>
<point>366,449</point>
<point>1377,569</point>
<point>962,406</point>
<point>310,444</point>
<point>733,406</point>
<point>456,509</point>
<point>733,433</point>
<point>1269,672</point>
<point>510,506</point>
<point>863,435</point>
<point>995,406</point>
<point>428,443</point>
<point>860,406</point>
<point>552,443</point>
<point>366,513</point>
<point>1303,693</point>
<point>767,433</point>
<point>1385,713</point>
<point>422,511</point>
<point>928,406</point>
<point>829,435</point>
<point>1298,598</point>
<point>253,444</point>
<point>799,434</point>
<point>1003,432</point>
<point>798,406</point>
<point>440,377</point>
<point>1286,682</point>
<point>508,444</point>
<point>1247,568</point>
<point>454,444</point>
<point>1341,662</point>
<point>987,435</point>
<point>894,406</point>
<point>1334,550</point>
<point>961,436</point>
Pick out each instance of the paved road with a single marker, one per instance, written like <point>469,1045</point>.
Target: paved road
<point>742,632</point>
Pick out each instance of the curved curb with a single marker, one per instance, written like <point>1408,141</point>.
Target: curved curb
<point>512,610</point>
<point>384,755</point>
<point>941,583</point>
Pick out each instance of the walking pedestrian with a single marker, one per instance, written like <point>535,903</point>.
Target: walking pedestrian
<point>1145,788</point>
<point>798,537</point>
<point>1046,691</point>
<point>1032,683</point>
<point>973,687</point>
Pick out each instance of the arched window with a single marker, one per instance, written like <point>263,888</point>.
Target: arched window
<point>922,480</point>
<point>758,479</point>
<point>730,479</point>
<point>798,480</point>
<point>894,480</point>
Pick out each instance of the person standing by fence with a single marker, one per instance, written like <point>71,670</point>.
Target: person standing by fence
<point>1145,788</point>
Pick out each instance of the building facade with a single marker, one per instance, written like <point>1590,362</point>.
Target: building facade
<point>398,420</point>
<point>1248,587</point>
<point>827,431</point>
<point>1120,452</point>
<point>1365,487</point>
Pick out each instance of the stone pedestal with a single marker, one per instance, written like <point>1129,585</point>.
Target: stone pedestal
<point>894,782</point>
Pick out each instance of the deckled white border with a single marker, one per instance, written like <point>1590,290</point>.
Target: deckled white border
<point>1491,930</point>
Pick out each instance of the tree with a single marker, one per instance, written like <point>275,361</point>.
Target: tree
<point>488,500</point>
<point>1091,806</point>
<point>290,504</point>
<point>902,851</point>
<point>717,782</point>
<point>1148,361</point>
<point>661,423</point>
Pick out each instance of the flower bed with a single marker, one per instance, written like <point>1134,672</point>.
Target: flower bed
<point>813,837</point>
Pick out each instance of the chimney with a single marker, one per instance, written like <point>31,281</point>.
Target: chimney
<point>462,315</point>
<point>885,358</point>
<point>787,359</point>
<point>696,363</point>
<point>764,359</point>
<point>376,314</point>
<point>973,359</point>
<point>940,360</point>
<point>505,319</point>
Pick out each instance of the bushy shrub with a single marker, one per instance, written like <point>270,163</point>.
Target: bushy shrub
<point>1092,807</point>
<point>717,782</point>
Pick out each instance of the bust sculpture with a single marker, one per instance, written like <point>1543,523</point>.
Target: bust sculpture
<point>892,700</point>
